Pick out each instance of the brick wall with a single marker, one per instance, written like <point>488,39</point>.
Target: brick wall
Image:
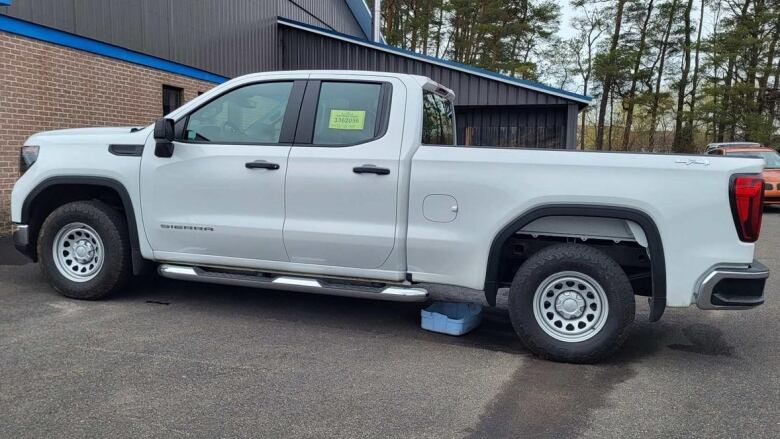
<point>45,87</point>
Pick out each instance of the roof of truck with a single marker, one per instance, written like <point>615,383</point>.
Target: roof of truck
<point>728,149</point>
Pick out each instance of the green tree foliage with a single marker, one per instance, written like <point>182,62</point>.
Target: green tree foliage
<point>666,75</point>
<point>500,35</point>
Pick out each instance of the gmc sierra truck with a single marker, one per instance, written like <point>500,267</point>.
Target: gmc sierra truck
<point>351,183</point>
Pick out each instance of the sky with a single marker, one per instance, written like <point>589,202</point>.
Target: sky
<point>567,13</point>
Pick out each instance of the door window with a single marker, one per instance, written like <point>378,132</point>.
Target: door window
<point>250,114</point>
<point>346,113</point>
<point>438,120</point>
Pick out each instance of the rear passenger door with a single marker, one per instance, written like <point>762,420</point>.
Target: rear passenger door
<point>342,178</point>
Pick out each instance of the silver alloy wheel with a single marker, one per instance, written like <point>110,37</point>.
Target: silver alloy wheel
<point>78,252</point>
<point>570,306</point>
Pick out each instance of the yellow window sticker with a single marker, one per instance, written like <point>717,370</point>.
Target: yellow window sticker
<point>347,119</point>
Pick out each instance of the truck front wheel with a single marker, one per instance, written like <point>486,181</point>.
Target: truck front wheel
<point>571,303</point>
<point>84,250</point>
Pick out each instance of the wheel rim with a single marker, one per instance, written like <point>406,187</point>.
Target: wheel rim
<point>570,306</point>
<point>78,252</point>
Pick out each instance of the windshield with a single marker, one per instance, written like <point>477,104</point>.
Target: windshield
<point>771,158</point>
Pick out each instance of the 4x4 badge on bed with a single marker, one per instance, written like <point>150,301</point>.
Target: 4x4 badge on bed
<point>690,162</point>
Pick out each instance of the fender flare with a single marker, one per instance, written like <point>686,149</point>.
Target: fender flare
<point>124,196</point>
<point>654,245</point>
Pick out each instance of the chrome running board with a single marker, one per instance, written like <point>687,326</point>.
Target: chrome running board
<point>290,283</point>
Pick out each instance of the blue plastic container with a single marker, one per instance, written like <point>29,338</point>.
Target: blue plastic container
<point>453,318</point>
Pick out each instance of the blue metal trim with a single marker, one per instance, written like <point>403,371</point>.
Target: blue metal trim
<point>49,35</point>
<point>409,53</point>
<point>362,15</point>
<point>5,2</point>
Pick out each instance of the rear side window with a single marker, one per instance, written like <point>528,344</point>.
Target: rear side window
<point>251,114</point>
<point>346,113</point>
<point>438,120</point>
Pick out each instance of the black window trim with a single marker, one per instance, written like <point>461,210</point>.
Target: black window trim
<point>304,134</point>
<point>289,121</point>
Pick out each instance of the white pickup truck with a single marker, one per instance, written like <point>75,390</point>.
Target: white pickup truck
<point>351,183</point>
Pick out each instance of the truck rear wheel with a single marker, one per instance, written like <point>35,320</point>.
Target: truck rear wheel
<point>571,303</point>
<point>84,250</point>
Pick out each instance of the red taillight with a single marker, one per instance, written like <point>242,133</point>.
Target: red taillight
<point>746,194</point>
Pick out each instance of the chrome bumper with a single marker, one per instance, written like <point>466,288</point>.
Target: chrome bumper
<point>733,288</point>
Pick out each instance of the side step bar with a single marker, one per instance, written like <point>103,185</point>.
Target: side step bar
<point>302,284</point>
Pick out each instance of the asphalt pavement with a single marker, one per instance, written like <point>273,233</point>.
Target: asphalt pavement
<point>175,359</point>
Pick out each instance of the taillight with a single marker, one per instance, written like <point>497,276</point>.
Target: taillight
<point>746,194</point>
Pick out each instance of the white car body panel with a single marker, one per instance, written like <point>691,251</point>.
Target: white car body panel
<point>209,186</point>
<point>84,152</point>
<point>334,216</point>
<point>434,219</point>
<point>512,182</point>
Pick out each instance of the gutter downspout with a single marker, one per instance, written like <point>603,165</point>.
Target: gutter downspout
<point>376,22</point>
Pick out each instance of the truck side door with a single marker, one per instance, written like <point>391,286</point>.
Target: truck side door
<point>220,197</point>
<point>343,171</point>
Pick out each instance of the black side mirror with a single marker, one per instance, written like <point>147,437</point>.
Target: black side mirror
<point>163,130</point>
<point>163,134</point>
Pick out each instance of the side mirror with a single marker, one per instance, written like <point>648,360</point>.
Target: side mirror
<point>163,134</point>
<point>163,130</point>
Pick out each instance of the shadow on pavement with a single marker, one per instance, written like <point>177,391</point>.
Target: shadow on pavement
<point>9,255</point>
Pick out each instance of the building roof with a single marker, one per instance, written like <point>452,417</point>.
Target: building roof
<point>531,85</point>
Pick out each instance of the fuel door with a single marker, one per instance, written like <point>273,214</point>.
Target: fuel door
<point>440,208</point>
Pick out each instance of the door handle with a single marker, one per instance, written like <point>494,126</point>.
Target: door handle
<point>370,169</point>
<point>261,164</point>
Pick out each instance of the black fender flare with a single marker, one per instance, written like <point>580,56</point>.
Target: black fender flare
<point>124,196</point>
<point>654,245</point>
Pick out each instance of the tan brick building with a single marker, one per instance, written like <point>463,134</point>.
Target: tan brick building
<point>44,86</point>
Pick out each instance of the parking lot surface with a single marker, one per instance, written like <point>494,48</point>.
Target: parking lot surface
<point>175,359</point>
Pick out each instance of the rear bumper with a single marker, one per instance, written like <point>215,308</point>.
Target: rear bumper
<point>733,288</point>
<point>22,243</point>
<point>772,196</point>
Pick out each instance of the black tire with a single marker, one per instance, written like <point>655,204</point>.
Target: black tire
<point>111,227</point>
<point>575,258</point>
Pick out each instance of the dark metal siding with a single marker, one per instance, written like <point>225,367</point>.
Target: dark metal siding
<point>307,50</point>
<point>332,14</point>
<point>512,126</point>
<point>229,38</point>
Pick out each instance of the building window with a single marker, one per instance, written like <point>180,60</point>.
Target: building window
<point>171,98</point>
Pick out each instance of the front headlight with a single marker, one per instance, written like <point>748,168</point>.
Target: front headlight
<point>27,156</point>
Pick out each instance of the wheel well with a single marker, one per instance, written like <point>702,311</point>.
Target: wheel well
<point>631,256</point>
<point>51,197</point>
<point>629,236</point>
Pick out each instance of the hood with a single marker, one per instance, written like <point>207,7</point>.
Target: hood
<point>91,136</point>
<point>89,131</point>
